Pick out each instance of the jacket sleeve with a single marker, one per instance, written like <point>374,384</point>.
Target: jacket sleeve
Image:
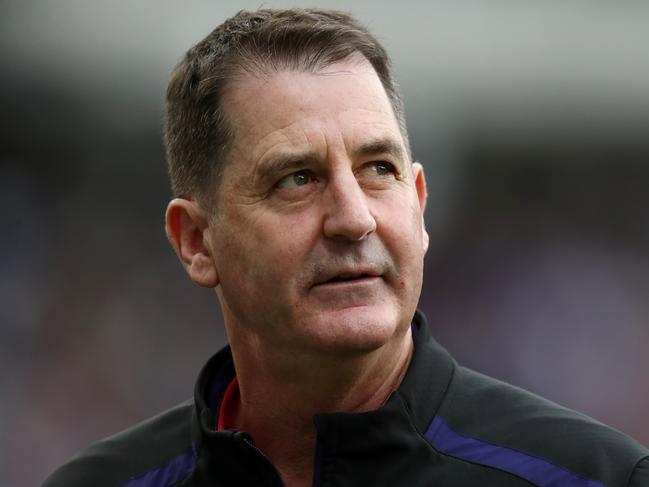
<point>640,475</point>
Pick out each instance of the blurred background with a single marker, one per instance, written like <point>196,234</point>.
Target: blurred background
<point>531,118</point>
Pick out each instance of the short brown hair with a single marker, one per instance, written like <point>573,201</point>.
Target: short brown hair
<point>196,133</point>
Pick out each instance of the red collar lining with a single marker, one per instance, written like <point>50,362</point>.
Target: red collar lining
<point>228,405</point>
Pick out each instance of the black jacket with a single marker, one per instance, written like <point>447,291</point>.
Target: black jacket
<point>445,426</point>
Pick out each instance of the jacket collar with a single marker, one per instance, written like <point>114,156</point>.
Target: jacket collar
<point>421,391</point>
<point>428,377</point>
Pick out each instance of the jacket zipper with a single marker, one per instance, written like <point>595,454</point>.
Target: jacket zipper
<point>247,441</point>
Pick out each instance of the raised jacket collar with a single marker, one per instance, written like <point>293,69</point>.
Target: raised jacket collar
<point>345,441</point>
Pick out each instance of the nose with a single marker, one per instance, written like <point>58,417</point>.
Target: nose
<point>347,214</point>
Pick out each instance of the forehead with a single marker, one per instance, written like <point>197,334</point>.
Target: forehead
<point>343,105</point>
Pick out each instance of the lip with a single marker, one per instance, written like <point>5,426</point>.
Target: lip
<point>361,276</point>
<point>349,282</point>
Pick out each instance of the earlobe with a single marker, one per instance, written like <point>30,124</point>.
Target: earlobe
<point>422,194</point>
<point>186,228</point>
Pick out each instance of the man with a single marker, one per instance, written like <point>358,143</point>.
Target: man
<point>297,201</point>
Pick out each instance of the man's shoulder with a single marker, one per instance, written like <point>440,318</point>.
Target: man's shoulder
<point>160,446</point>
<point>528,428</point>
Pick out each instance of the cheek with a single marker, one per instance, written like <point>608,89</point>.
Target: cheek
<point>277,246</point>
<point>402,231</point>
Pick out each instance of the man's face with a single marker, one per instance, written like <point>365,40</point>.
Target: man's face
<point>318,240</point>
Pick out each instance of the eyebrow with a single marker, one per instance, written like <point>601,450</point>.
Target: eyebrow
<point>385,145</point>
<point>286,163</point>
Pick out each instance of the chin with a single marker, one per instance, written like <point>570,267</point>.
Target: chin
<point>354,330</point>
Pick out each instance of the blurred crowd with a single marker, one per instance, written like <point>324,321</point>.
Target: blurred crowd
<point>538,272</point>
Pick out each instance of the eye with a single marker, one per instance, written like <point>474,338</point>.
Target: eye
<point>377,174</point>
<point>378,169</point>
<point>383,168</point>
<point>293,180</point>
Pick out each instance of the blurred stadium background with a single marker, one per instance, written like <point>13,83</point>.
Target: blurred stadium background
<point>532,120</point>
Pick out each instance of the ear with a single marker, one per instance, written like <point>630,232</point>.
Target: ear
<point>186,228</point>
<point>422,194</point>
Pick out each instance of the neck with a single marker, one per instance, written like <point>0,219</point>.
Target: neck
<point>278,401</point>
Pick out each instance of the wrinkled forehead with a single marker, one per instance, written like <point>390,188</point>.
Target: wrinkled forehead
<point>344,99</point>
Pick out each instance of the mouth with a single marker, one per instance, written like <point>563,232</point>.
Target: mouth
<point>348,278</point>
